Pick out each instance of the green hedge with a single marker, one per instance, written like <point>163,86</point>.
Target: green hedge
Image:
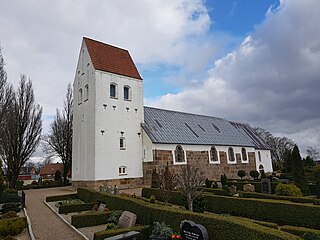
<point>63,209</point>
<point>217,191</point>
<point>12,226</point>
<point>144,230</point>
<point>4,198</point>
<point>280,212</point>
<point>176,197</point>
<point>257,185</point>
<point>61,197</point>
<point>266,224</point>
<point>89,219</point>
<point>276,197</point>
<point>299,231</point>
<point>218,226</point>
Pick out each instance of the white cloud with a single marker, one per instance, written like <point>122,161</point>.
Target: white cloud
<point>271,80</point>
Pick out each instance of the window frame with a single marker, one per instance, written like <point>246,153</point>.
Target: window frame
<point>80,96</point>
<point>244,153</point>
<point>115,90</point>
<point>182,155</point>
<point>122,170</point>
<point>86,92</point>
<point>123,145</point>
<point>129,93</point>
<point>231,157</point>
<point>211,154</point>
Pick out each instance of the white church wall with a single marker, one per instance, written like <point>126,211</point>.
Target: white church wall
<point>84,118</point>
<point>264,160</point>
<point>118,118</point>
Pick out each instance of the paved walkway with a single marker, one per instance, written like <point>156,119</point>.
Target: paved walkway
<point>46,225</point>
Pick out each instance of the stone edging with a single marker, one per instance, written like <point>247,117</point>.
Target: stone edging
<point>29,225</point>
<point>66,222</point>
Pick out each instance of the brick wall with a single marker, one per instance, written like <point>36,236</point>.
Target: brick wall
<point>199,159</point>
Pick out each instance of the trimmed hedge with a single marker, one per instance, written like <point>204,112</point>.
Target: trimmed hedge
<point>89,219</point>
<point>12,226</point>
<point>299,231</point>
<point>218,226</point>
<point>257,185</point>
<point>285,198</point>
<point>63,209</point>
<point>266,224</point>
<point>280,212</point>
<point>5,198</point>
<point>176,197</point>
<point>144,230</point>
<point>61,197</point>
<point>217,191</point>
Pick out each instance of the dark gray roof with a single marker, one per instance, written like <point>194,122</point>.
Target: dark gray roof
<point>164,126</point>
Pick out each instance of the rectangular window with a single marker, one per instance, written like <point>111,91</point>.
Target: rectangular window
<point>122,143</point>
<point>86,92</point>
<point>126,93</point>
<point>80,96</point>
<point>123,170</point>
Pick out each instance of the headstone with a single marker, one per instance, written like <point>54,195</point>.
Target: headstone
<point>127,219</point>
<point>219,184</point>
<point>248,188</point>
<point>192,231</point>
<point>102,188</point>
<point>116,190</point>
<point>101,207</point>
<point>109,189</point>
<point>266,186</point>
<point>233,190</point>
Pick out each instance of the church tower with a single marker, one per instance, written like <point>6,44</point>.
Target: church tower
<point>108,113</point>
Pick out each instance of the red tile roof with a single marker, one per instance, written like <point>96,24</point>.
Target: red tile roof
<point>111,59</point>
<point>51,168</point>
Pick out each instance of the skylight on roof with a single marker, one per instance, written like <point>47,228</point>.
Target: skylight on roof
<point>191,130</point>
<point>216,127</point>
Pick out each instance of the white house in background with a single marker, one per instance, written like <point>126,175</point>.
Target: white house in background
<point>116,140</point>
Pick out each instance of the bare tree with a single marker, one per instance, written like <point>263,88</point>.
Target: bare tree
<point>6,91</point>
<point>59,140</point>
<point>278,146</point>
<point>189,182</point>
<point>166,182</point>
<point>21,130</point>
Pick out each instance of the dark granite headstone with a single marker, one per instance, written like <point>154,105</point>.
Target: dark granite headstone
<point>266,186</point>
<point>192,231</point>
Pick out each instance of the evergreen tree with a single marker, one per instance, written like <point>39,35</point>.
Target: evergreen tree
<point>298,173</point>
<point>287,157</point>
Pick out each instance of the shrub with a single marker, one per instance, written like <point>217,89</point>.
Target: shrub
<point>152,199</point>
<point>208,183</point>
<point>317,178</point>
<point>218,226</point>
<point>60,197</point>
<point>241,173</point>
<point>12,226</point>
<point>57,176</point>
<point>224,180</point>
<point>114,217</point>
<point>300,231</point>
<point>199,204</point>
<point>254,174</point>
<point>10,191</point>
<point>10,214</point>
<point>288,190</point>
<point>89,219</point>
<point>5,198</point>
<point>160,231</point>
<point>64,209</point>
<point>13,206</point>
<point>144,230</point>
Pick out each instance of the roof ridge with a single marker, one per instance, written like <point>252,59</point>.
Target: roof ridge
<point>90,39</point>
<point>187,113</point>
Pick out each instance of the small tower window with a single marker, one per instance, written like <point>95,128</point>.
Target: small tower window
<point>80,96</point>
<point>126,93</point>
<point>259,156</point>
<point>231,154</point>
<point>86,92</point>
<point>179,154</point>
<point>214,154</point>
<point>244,154</point>
<point>123,170</point>
<point>113,90</point>
<point>122,143</point>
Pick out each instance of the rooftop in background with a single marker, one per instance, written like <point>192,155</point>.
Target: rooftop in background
<point>111,59</point>
<point>171,127</point>
<point>51,168</point>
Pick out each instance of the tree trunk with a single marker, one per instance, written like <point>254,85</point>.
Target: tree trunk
<point>190,203</point>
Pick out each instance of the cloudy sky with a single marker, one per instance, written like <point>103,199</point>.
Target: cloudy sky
<point>246,60</point>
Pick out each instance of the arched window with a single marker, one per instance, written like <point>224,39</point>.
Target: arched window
<point>86,92</point>
<point>259,156</point>
<point>261,169</point>
<point>179,154</point>
<point>231,154</point>
<point>113,90</point>
<point>126,93</point>
<point>122,143</point>
<point>214,154</point>
<point>80,96</point>
<point>244,154</point>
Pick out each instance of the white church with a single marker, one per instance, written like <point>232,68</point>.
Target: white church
<point>119,141</point>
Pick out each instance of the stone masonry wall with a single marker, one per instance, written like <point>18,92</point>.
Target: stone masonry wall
<point>199,159</point>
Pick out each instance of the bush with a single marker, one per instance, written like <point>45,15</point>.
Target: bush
<point>5,198</point>
<point>218,226</point>
<point>10,214</point>
<point>13,206</point>
<point>217,191</point>
<point>12,226</point>
<point>64,209</point>
<point>254,174</point>
<point>241,173</point>
<point>317,178</point>
<point>160,231</point>
<point>10,191</point>
<point>114,217</point>
<point>288,190</point>
<point>89,219</point>
<point>152,199</point>
<point>144,230</point>
<point>61,197</point>
<point>223,180</point>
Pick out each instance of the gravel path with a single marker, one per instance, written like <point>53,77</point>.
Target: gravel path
<point>46,225</point>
